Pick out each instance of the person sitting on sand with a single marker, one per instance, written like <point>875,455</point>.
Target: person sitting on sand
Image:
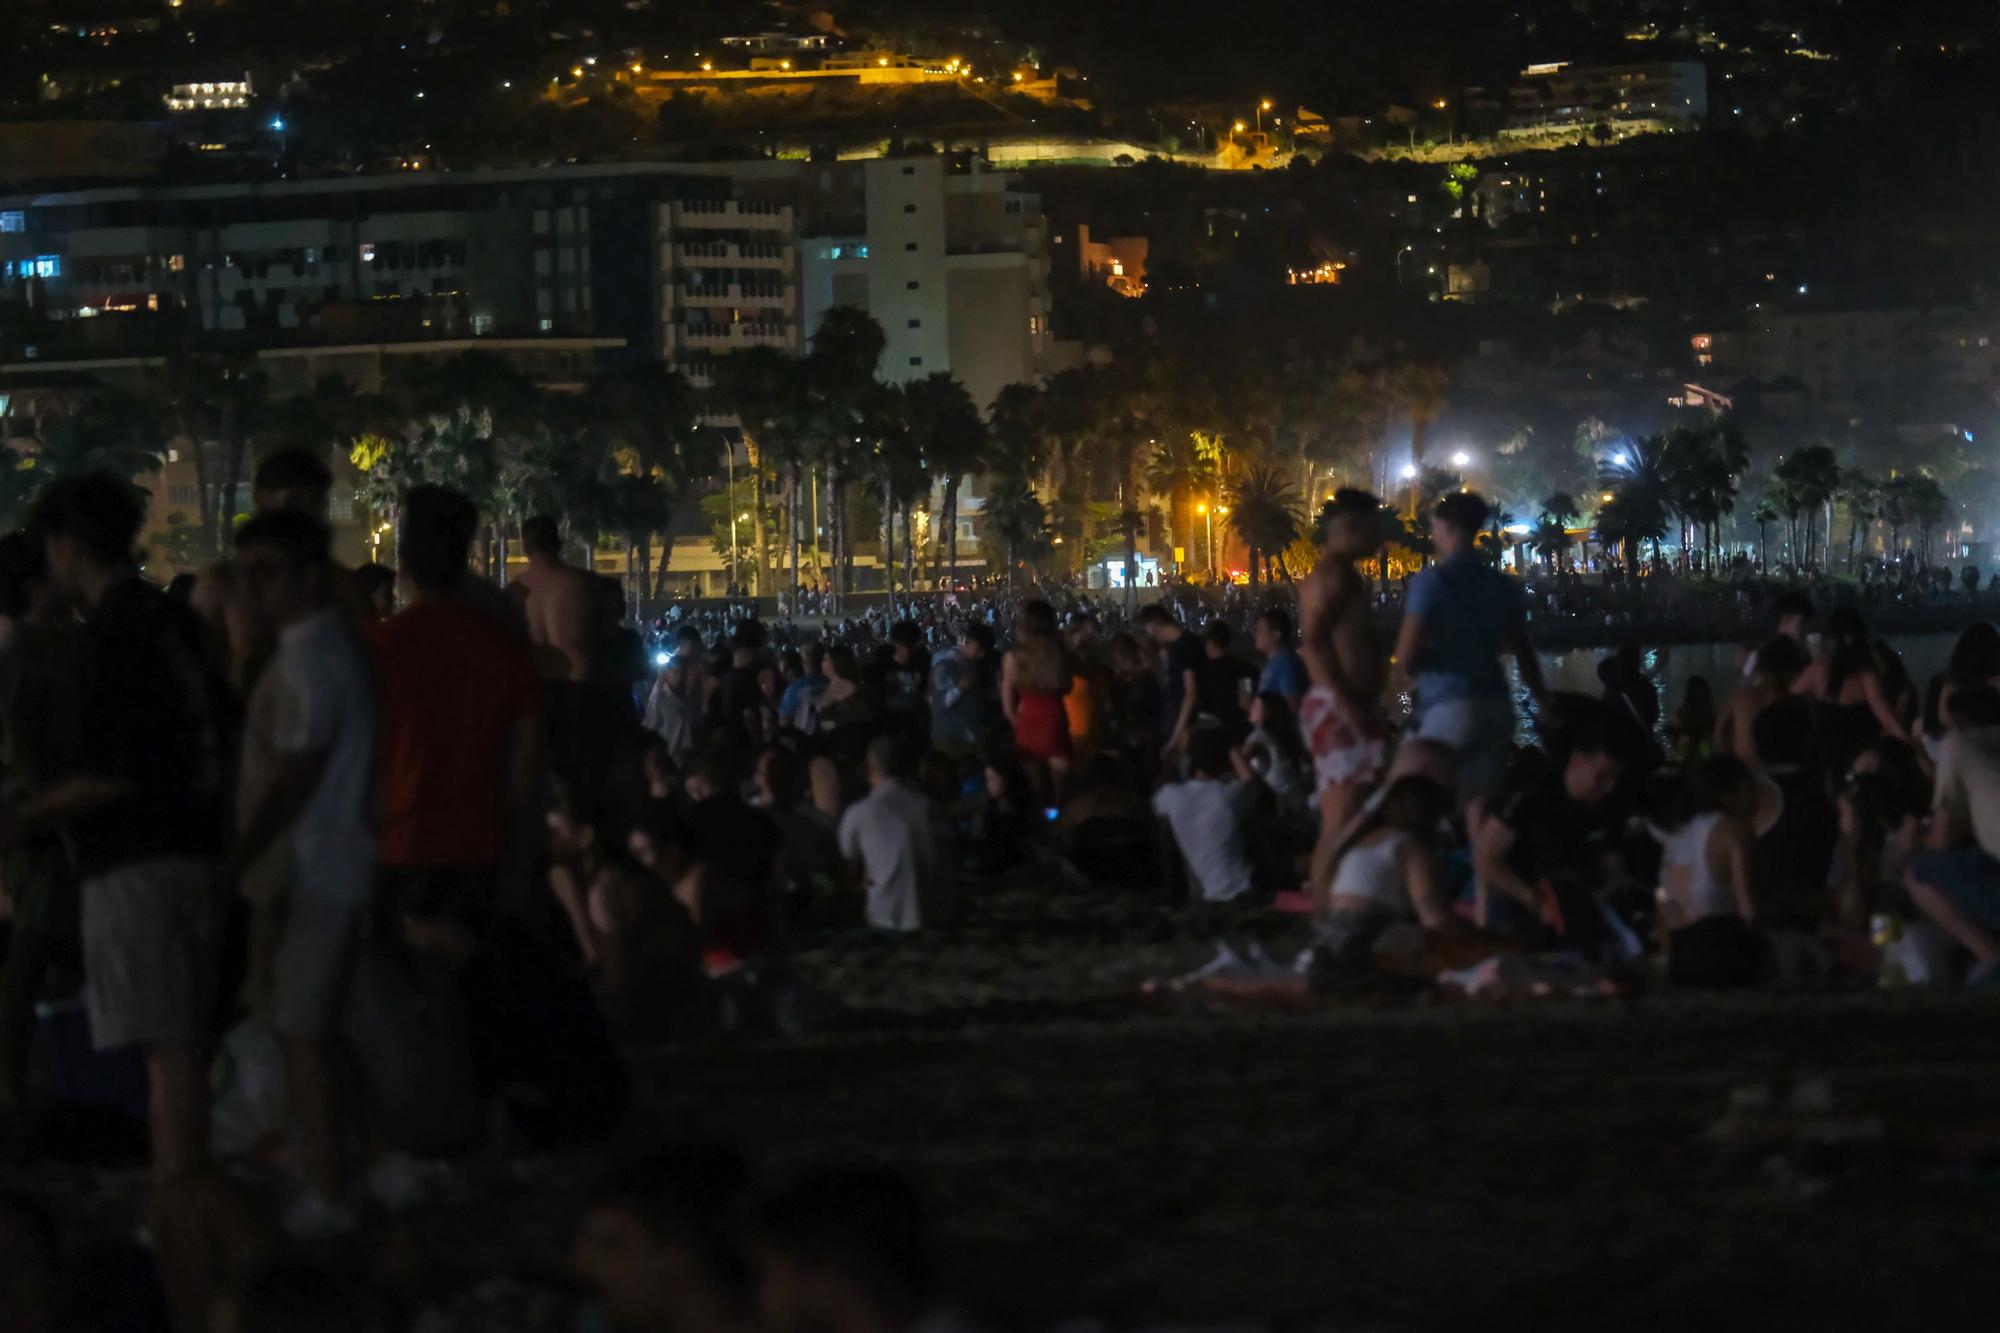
<point>1386,873</point>
<point>1707,908</point>
<point>1207,815</point>
<point>1956,880</point>
<point>1692,727</point>
<point>1542,850</point>
<point>1275,754</point>
<point>1796,826</point>
<point>1775,666</point>
<point>1853,705</point>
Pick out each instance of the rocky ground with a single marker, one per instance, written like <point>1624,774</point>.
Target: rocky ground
<point>1550,1165</point>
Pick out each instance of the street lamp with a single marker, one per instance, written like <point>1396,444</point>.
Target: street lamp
<point>1399,265</point>
<point>1209,523</point>
<point>1262,107</point>
<point>1235,130</point>
<point>1460,459</point>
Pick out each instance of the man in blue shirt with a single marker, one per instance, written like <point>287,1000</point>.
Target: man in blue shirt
<point>1283,672</point>
<point>803,688</point>
<point>1460,617</point>
<point>958,695</point>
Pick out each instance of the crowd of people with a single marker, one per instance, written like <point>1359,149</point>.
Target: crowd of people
<point>416,853</point>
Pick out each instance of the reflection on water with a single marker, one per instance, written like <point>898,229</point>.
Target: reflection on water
<point>1671,668</point>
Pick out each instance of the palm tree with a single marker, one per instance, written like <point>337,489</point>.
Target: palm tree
<point>1181,469</point>
<point>1926,505</point>
<point>770,395</point>
<point>1808,477</point>
<point>1763,517</point>
<point>653,418</point>
<point>93,439</point>
<point>1421,389</point>
<point>1642,499</point>
<point>1702,465</point>
<point>1013,519</point>
<point>1560,510</point>
<point>1861,496</point>
<point>950,440</point>
<point>1551,540</point>
<point>1263,508</point>
<point>243,394</point>
<point>846,349</point>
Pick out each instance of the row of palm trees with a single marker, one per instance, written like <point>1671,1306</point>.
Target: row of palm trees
<point>1689,482</point>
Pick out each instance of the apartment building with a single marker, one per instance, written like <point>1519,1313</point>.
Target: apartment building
<point>1560,95</point>
<point>569,268</point>
<point>683,262</point>
<point>953,264</point>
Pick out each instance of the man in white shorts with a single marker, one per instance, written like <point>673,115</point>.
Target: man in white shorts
<point>1461,616</point>
<point>306,837</point>
<point>1340,717</point>
<point>146,807</point>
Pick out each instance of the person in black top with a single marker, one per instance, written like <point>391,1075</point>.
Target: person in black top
<point>1543,849</point>
<point>1226,683</point>
<point>1182,657</point>
<point>902,676</point>
<point>148,806</point>
<point>1791,856</point>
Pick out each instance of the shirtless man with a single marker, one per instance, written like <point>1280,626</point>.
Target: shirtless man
<point>1340,716</point>
<point>290,479</point>
<point>560,604</point>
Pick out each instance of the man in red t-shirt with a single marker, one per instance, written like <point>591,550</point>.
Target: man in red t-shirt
<point>460,736</point>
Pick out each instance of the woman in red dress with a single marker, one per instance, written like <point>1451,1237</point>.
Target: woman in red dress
<point>1034,679</point>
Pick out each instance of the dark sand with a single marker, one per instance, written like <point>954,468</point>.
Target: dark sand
<point>1542,1165</point>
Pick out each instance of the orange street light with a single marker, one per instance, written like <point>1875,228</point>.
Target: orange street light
<point>1262,107</point>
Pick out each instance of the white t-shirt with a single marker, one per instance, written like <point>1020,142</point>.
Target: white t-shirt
<point>895,835</point>
<point>318,694</point>
<point>1208,820</point>
<point>1968,783</point>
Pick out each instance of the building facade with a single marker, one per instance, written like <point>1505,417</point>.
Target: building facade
<point>1560,95</point>
<point>566,270</point>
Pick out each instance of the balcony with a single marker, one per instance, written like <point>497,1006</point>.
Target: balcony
<point>712,295</point>
<point>710,214</point>
<point>739,254</point>
<point>743,333</point>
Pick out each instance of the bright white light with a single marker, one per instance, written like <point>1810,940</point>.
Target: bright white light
<point>1802,289</point>
<point>1409,471</point>
<point>278,124</point>
<point>661,659</point>
<point>1519,529</point>
<point>1620,459</point>
<point>1461,458</point>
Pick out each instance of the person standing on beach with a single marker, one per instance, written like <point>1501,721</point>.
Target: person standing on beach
<point>1461,616</point>
<point>148,806</point>
<point>1340,717</point>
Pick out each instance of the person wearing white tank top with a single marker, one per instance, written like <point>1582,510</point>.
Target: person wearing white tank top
<point>1705,861</point>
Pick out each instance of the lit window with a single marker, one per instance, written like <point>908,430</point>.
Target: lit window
<point>368,252</point>
<point>13,220</point>
<point>48,266</point>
